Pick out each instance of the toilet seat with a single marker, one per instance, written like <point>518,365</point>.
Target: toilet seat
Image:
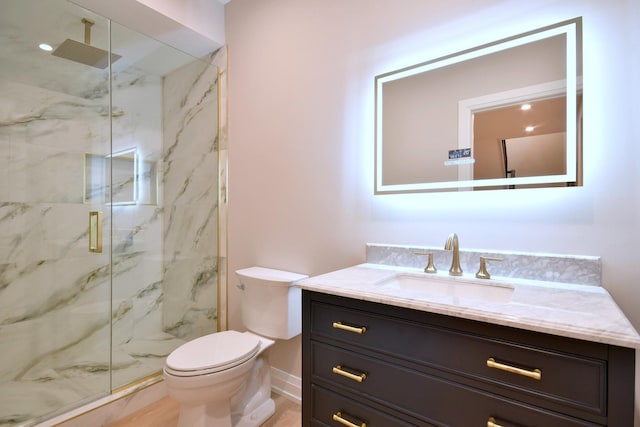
<point>212,353</point>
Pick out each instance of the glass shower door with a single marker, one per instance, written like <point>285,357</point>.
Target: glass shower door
<point>55,294</point>
<point>108,207</point>
<point>165,228</point>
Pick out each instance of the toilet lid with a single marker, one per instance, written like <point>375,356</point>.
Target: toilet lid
<point>214,352</point>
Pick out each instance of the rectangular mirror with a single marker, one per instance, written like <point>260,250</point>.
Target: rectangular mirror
<point>504,115</point>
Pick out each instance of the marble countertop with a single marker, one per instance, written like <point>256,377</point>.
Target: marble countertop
<point>576,311</point>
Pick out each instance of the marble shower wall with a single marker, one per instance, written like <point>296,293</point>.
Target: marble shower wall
<point>56,298</point>
<point>139,341</point>
<point>190,192</point>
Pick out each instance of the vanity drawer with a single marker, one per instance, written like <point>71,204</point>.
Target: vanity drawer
<point>416,394</point>
<point>564,379</point>
<point>327,404</point>
<point>382,382</point>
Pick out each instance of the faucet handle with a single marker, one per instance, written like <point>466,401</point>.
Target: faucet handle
<point>482,271</point>
<point>430,268</point>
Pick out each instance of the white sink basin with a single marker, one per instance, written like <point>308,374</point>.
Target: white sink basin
<point>428,286</point>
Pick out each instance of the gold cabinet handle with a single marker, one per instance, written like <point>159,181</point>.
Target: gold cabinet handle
<point>356,377</point>
<point>536,374</point>
<point>338,417</point>
<point>95,231</point>
<point>354,329</point>
<point>492,423</point>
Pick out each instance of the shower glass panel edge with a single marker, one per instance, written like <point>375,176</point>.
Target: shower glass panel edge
<point>165,160</point>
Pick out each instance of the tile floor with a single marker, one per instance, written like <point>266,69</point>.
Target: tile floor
<point>164,413</point>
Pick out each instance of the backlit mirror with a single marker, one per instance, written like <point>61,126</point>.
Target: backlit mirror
<point>504,115</point>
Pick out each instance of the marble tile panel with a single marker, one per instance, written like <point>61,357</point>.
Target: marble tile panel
<point>190,230</point>
<point>43,174</point>
<point>190,171</point>
<point>190,164</point>
<point>138,229</point>
<point>5,161</point>
<point>28,344</point>
<point>42,286</point>
<point>190,297</point>
<point>53,119</point>
<point>17,405</point>
<point>137,120</point>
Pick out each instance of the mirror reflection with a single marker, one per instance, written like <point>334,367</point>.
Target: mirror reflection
<point>504,115</point>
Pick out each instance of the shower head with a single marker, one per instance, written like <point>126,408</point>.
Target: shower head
<point>84,52</point>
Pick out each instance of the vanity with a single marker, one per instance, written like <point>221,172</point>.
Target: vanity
<point>393,346</point>
<point>536,342</point>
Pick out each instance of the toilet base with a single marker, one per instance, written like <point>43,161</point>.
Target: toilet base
<point>258,416</point>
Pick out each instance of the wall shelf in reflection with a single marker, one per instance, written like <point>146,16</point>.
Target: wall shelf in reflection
<point>463,161</point>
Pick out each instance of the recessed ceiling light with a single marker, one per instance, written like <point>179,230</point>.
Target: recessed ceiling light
<point>45,47</point>
<point>529,129</point>
<point>525,107</point>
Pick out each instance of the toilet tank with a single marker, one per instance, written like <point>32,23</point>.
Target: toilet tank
<point>271,304</point>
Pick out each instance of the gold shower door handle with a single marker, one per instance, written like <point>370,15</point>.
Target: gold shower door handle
<point>492,423</point>
<point>95,231</point>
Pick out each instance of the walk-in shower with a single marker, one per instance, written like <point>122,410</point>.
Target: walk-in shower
<point>125,156</point>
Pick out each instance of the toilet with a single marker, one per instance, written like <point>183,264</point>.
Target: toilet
<point>224,379</point>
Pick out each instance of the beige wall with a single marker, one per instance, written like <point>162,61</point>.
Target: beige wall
<point>301,139</point>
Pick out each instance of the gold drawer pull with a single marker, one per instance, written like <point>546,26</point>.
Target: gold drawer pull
<point>536,374</point>
<point>338,417</point>
<point>492,423</point>
<point>357,330</point>
<point>356,377</point>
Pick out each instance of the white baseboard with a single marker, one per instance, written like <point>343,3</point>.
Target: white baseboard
<point>286,384</point>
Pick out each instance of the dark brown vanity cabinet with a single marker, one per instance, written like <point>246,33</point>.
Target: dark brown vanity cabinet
<point>367,365</point>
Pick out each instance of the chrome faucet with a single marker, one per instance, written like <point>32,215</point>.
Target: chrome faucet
<point>452,245</point>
